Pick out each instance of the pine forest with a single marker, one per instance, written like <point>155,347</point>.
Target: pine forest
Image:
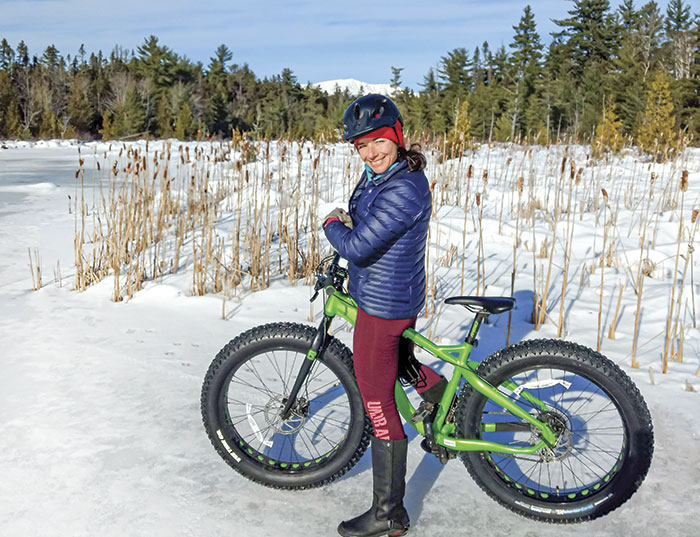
<point>607,77</point>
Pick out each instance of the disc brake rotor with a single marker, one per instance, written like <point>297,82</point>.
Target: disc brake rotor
<point>296,419</point>
<point>564,444</point>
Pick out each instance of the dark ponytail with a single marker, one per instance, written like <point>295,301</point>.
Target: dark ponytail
<point>413,156</point>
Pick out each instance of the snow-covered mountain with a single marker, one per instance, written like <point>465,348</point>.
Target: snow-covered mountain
<point>354,87</point>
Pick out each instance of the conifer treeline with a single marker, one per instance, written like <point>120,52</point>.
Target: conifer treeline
<point>600,59</point>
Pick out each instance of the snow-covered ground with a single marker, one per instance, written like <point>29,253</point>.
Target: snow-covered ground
<point>100,430</point>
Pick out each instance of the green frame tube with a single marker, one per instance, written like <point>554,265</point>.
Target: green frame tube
<point>344,306</point>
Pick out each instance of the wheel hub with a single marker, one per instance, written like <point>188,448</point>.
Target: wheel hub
<point>297,414</point>
<point>564,443</point>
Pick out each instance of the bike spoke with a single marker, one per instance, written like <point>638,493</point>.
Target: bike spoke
<point>263,388</point>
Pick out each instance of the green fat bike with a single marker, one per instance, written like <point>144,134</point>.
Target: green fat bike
<point>549,429</point>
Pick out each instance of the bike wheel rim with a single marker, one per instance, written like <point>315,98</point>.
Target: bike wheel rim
<point>257,388</point>
<point>597,436</point>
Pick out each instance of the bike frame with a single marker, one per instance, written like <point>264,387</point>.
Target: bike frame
<point>341,305</point>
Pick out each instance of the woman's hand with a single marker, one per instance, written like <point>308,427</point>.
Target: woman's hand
<point>338,214</point>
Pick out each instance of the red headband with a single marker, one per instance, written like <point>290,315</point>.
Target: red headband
<point>395,134</point>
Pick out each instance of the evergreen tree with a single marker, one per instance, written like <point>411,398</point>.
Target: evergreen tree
<point>454,77</point>
<point>595,61</point>
<point>686,90</point>
<point>157,62</point>
<point>526,75</point>
<point>79,109</point>
<point>656,133</point>
<point>588,42</point>
<point>7,56</point>
<point>459,137</point>
<point>22,54</point>
<point>429,116</point>
<point>608,134</point>
<point>527,53</point>
<point>628,14</point>
<point>49,126</point>
<point>396,79</point>
<point>677,17</point>
<point>218,112</point>
<point>9,117</point>
<point>107,130</point>
<point>591,33</point>
<point>184,123</point>
<point>50,58</point>
<point>631,81</point>
<point>454,72</point>
<point>217,64</point>
<point>128,116</point>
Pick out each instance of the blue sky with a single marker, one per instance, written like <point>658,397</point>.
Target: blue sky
<point>319,41</point>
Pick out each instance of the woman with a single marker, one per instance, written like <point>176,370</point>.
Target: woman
<point>384,239</point>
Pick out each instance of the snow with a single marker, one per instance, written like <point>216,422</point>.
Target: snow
<point>100,430</point>
<point>354,87</point>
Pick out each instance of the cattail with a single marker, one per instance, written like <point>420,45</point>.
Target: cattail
<point>521,183</point>
<point>605,195</point>
<point>578,175</point>
<point>694,217</point>
<point>485,177</point>
<point>478,199</point>
<point>470,171</point>
<point>684,181</point>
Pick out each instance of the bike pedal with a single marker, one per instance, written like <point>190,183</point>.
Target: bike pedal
<point>443,454</point>
<point>424,410</point>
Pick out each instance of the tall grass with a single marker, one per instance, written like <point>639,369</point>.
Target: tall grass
<point>229,217</point>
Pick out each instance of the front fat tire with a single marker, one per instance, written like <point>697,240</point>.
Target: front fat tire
<point>277,350</point>
<point>588,502</point>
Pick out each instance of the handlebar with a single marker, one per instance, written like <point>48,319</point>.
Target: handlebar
<point>334,275</point>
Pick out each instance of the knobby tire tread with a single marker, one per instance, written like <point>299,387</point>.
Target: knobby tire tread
<point>526,350</point>
<point>280,330</point>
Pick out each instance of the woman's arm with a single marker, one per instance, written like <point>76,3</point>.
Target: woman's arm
<point>395,209</point>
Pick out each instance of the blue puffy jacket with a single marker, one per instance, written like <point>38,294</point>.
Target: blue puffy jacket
<point>386,247</point>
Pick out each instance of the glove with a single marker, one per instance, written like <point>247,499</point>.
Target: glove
<point>338,214</point>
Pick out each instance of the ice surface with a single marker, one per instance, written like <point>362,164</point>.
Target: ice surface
<point>100,430</point>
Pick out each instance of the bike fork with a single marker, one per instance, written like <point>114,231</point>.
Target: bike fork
<point>316,350</point>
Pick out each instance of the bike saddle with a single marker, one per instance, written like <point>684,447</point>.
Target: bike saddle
<point>483,304</point>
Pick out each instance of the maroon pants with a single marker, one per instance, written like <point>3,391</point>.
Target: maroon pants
<point>376,346</point>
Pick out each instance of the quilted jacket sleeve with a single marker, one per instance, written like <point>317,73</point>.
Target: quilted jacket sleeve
<point>394,210</point>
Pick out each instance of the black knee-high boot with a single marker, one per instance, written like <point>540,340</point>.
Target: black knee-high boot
<point>434,393</point>
<point>387,516</point>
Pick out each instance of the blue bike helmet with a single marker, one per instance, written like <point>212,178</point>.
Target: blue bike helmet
<point>369,113</point>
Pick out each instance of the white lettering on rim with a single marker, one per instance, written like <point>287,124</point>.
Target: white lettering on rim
<point>226,446</point>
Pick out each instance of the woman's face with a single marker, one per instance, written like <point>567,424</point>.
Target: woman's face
<point>378,153</point>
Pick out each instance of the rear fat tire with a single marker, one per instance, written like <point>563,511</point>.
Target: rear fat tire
<point>591,500</point>
<point>271,349</point>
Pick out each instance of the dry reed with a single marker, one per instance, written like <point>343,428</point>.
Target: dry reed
<point>232,216</point>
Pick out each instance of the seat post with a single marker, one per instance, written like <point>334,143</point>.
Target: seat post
<point>479,318</point>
